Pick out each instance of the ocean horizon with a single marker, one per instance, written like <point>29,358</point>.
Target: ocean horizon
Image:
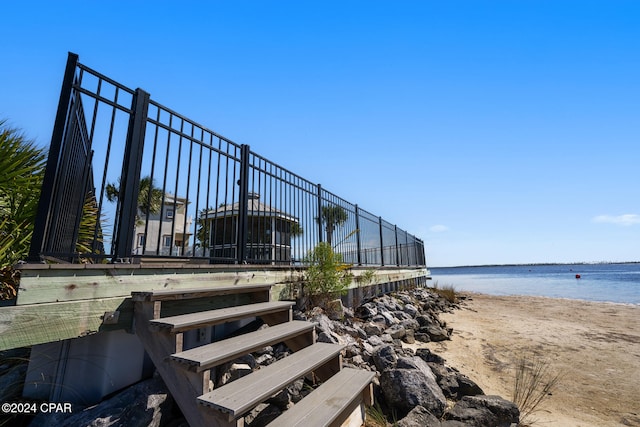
<point>601,282</point>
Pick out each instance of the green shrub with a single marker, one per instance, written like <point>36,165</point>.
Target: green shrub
<point>327,276</point>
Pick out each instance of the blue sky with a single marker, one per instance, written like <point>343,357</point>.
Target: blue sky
<point>496,131</point>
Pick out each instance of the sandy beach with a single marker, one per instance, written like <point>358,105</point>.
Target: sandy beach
<point>595,347</point>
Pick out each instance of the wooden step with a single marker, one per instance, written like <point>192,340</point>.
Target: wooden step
<point>202,319</point>
<point>180,294</point>
<point>241,395</point>
<point>296,334</point>
<point>331,403</point>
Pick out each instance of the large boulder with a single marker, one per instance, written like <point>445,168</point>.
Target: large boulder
<point>436,332</point>
<point>404,389</point>
<point>481,411</point>
<point>419,417</point>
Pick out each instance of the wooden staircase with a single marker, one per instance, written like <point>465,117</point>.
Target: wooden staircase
<point>338,401</point>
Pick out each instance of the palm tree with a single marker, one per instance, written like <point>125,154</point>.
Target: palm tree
<point>332,216</point>
<point>149,196</point>
<point>21,174</point>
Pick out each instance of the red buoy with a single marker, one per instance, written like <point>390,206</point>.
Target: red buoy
<point>577,276</point>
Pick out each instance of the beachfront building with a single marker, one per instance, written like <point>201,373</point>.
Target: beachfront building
<point>166,232</point>
<point>269,232</point>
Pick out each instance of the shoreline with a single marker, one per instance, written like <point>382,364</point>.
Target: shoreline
<point>594,346</point>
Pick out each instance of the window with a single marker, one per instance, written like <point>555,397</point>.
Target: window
<point>166,241</point>
<point>141,239</point>
<point>168,214</point>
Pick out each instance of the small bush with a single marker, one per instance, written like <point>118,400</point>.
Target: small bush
<point>327,277</point>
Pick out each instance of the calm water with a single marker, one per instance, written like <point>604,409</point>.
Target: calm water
<point>598,282</point>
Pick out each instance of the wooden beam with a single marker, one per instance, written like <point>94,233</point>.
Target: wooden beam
<point>43,285</point>
<point>27,325</point>
<point>72,284</point>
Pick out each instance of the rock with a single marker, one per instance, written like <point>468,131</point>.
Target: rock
<point>425,320</point>
<point>386,338</point>
<point>396,331</point>
<point>375,341</point>
<point>335,309</point>
<point>265,359</point>
<point>353,332</point>
<point>422,337</point>
<point>265,350</point>
<point>426,355</point>
<point>328,337</point>
<point>467,387</point>
<point>145,404</point>
<point>410,324</point>
<point>411,310</point>
<point>323,323</point>
<point>280,351</point>
<point>409,336</point>
<point>367,348</point>
<point>452,423</point>
<point>470,415</point>
<point>404,389</point>
<point>436,332</point>
<point>361,333</point>
<point>484,411</point>
<point>401,316</point>
<point>233,371</point>
<point>385,358</point>
<point>366,311</point>
<point>389,318</point>
<point>446,380</point>
<point>373,328</point>
<point>352,350</point>
<point>419,417</point>
<point>379,318</point>
<point>288,396</point>
<point>262,414</point>
<point>358,361</point>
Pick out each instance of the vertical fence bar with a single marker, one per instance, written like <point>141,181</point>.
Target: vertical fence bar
<point>381,242</point>
<point>358,247</point>
<point>243,204</point>
<point>130,178</point>
<point>51,171</point>
<point>319,218</point>
<point>395,231</point>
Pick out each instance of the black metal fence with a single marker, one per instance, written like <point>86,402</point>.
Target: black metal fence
<point>129,178</point>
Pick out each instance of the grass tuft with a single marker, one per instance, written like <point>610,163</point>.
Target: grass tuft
<point>448,292</point>
<point>534,382</point>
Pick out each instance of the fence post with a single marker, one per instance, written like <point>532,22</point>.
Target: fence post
<point>319,213</point>
<point>381,242</point>
<point>395,229</point>
<point>130,178</point>
<point>358,235</point>
<point>243,204</point>
<point>51,172</point>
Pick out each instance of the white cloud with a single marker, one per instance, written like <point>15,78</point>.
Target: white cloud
<point>438,228</point>
<point>625,220</point>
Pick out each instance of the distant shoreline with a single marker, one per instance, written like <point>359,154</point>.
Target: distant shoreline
<point>539,264</point>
